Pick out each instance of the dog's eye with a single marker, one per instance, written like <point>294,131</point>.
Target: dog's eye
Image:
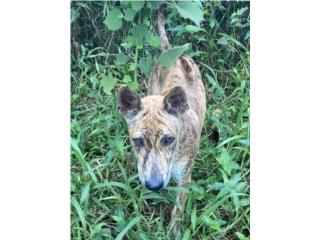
<point>137,142</point>
<point>167,140</point>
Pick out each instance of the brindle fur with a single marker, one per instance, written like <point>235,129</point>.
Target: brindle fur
<point>149,118</point>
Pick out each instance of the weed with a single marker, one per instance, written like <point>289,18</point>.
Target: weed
<point>116,43</point>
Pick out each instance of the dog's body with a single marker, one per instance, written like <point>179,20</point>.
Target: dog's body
<point>162,81</point>
<point>165,126</point>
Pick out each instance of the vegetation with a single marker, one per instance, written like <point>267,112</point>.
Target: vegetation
<point>116,43</point>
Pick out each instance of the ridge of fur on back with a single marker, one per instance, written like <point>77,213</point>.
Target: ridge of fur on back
<point>162,32</point>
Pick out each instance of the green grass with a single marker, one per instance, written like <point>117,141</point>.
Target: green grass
<point>107,199</point>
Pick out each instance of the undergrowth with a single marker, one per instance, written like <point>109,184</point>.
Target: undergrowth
<point>107,199</point>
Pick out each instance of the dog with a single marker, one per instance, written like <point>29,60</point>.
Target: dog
<point>165,126</point>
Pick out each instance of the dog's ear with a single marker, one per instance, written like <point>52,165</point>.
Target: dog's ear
<point>188,67</point>
<point>129,103</point>
<point>176,101</point>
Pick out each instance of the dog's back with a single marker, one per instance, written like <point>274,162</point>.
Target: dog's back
<point>184,73</point>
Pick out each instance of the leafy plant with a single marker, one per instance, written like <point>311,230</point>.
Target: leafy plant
<point>114,19</point>
<point>170,56</point>
<point>190,10</point>
<point>115,43</point>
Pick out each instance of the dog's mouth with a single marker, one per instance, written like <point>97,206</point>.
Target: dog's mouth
<point>155,184</point>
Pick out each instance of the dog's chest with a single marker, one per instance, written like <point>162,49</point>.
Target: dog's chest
<point>178,172</point>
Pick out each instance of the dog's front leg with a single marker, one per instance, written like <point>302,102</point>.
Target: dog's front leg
<point>176,213</point>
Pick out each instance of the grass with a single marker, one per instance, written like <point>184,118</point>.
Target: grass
<point>107,199</point>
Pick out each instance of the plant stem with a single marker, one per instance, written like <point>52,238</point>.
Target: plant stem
<point>136,62</point>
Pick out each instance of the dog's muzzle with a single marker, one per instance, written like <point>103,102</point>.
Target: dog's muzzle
<point>154,184</point>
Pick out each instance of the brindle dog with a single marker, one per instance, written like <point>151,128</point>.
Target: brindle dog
<point>165,126</point>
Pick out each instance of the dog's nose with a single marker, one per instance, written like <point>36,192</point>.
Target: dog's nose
<point>154,185</point>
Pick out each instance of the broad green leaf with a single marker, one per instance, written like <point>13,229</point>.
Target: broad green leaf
<point>190,10</point>
<point>133,85</point>
<point>132,67</point>
<point>127,228</point>
<point>108,83</point>
<point>212,22</point>
<point>169,57</point>
<point>215,186</point>
<point>146,21</point>
<point>197,191</point>
<point>239,12</point>
<point>179,30</point>
<point>235,179</point>
<point>137,5</point>
<point>139,32</point>
<point>145,65</point>
<point>198,3</point>
<point>139,45</point>
<point>129,42</point>
<point>129,14</point>
<point>155,4</point>
<point>241,186</point>
<point>222,41</point>
<point>126,79</point>
<point>226,161</point>
<point>154,41</point>
<point>121,58</point>
<point>193,29</point>
<point>113,19</point>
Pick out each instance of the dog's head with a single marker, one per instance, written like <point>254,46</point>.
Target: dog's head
<point>154,124</point>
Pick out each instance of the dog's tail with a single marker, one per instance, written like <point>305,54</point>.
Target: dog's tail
<point>163,35</point>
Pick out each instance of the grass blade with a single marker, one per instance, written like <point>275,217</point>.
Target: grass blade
<point>186,235</point>
<point>80,212</point>
<point>127,228</point>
